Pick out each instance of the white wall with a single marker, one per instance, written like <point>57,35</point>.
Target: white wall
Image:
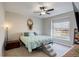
<point>46,28</point>
<point>1,28</point>
<point>68,15</point>
<point>18,24</point>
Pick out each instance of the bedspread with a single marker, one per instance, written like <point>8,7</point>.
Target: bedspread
<point>32,42</point>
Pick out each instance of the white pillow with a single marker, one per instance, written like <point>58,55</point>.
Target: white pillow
<point>31,34</point>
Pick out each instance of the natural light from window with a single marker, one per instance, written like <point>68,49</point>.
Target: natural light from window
<point>61,30</point>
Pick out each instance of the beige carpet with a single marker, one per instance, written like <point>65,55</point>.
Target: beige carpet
<point>22,52</point>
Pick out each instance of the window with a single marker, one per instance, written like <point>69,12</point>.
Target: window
<point>61,30</point>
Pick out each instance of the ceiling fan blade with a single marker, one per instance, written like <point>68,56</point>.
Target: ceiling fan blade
<point>47,13</point>
<point>50,10</point>
<point>36,11</point>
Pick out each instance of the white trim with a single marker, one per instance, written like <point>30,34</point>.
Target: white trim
<point>51,28</point>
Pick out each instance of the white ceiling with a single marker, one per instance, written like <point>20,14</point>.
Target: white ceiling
<point>27,8</point>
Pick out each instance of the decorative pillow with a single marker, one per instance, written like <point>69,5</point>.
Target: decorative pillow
<point>35,33</point>
<point>29,34</point>
<point>26,34</point>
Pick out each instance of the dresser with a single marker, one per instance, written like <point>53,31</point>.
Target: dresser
<point>12,44</point>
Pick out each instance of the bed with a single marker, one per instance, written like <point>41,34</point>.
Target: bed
<point>34,41</point>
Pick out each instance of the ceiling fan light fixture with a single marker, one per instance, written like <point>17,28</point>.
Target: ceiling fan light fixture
<point>43,13</point>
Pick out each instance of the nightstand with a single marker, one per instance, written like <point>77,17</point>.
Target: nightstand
<point>12,44</point>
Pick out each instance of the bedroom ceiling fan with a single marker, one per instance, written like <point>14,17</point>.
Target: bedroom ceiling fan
<point>43,10</point>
